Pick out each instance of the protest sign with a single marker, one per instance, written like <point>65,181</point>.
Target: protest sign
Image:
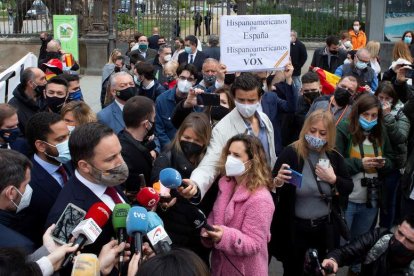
<point>65,28</point>
<point>255,42</point>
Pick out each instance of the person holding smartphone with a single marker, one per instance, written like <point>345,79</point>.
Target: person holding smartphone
<point>303,218</point>
<point>364,143</point>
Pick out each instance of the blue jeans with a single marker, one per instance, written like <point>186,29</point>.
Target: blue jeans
<point>359,219</point>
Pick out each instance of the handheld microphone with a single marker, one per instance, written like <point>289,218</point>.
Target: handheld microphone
<point>137,225</point>
<point>90,228</point>
<point>86,264</point>
<point>199,219</point>
<point>142,181</point>
<point>157,235</point>
<point>148,198</point>
<point>119,222</point>
<point>171,178</point>
<point>313,254</point>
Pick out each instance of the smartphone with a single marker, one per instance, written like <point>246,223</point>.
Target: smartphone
<point>379,159</point>
<point>70,218</point>
<point>324,163</point>
<point>296,178</point>
<point>208,99</point>
<point>409,73</point>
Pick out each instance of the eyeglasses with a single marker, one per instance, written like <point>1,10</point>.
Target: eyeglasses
<point>190,79</point>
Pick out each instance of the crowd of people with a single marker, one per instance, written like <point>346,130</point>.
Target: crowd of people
<point>268,165</point>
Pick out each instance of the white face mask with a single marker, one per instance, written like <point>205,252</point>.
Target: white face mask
<point>183,86</point>
<point>348,44</point>
<point>247,110</point>
<point>356,28</point>
<point>347,61</point>
<point>71,128</point>
<point>234,166</point>
<point>25,200</point>
<point>167,58</point>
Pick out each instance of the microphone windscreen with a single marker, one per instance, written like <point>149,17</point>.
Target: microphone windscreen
<point>119,215</point>
<point>148,197</point>
<point>100,213</point>
<point>153,220</point>
<point>137,220</point>
<point>170,178</point>
<point>86,265</point>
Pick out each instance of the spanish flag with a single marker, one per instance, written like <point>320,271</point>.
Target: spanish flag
<point>327,80</point>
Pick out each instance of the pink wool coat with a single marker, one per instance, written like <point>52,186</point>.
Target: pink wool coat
<point>245,218</point>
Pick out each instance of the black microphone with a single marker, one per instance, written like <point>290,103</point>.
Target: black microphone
<point>199,219</point>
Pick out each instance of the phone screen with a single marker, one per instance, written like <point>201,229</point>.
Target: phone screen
<point>70,218</point>
<point>296,178</point>
<point>409,73</point>
<point>208,99</point>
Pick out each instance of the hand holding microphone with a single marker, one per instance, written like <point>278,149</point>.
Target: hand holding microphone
<point>172,179</point>
<point>137,225</point>
<point>108,257</point>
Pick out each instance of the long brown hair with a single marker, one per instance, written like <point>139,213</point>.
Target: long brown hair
<point>258,175</point>
<point>200,124</point>
<point>401,50</point>
<point>365,102</point>
<point>301,146</point>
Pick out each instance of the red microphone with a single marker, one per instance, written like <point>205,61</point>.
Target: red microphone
<point>148,198</point>
<point>90,228</point>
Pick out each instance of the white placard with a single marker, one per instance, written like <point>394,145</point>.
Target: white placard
<point>254,42</point>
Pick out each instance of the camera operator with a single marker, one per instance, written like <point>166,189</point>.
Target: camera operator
<point>381,252</point>
<point>364,143</point>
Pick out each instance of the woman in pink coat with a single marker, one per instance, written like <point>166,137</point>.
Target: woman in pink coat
<point>243,211</point>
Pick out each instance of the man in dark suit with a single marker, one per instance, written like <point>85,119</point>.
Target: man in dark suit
<point>139,117</point>
<point>47,135</point>
<point>213,51</point>
<point>191,55</point>
<point>99,169</point>
<point>329,57</point>
<point>153,40</point>
<point>143,50</point>
<point>122,88</point>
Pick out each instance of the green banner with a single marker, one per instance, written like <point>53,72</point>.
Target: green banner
<point>65,28</point>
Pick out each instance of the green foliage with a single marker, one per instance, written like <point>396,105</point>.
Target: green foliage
<point>310,24</point>
<point>125,21</point>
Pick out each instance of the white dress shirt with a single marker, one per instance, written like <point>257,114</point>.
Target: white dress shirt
<point>98,190</point>
<point>194,55</point>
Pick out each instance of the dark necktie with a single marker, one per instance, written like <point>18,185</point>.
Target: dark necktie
<point>112,193</point>
<point>191,59</point>
<point>63,173</point>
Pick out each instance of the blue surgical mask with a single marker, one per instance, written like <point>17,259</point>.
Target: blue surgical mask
<point>9,135</point>
<point>367,125</point>
<point>361,65</point>
<point>408,39</point>
<point>63,150</point>
<point>187,49</point>
<point>75,96</point>
<point>315,142</point>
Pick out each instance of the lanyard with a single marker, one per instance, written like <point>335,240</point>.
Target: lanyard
<point>342,114</point>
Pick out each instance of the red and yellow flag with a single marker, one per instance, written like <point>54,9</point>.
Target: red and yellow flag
<point>327,80</point>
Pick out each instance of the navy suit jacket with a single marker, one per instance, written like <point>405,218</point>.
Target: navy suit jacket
<point>21,146</point>
<point>45,191</point>
<point>197,62</point>
<point>272,106</point>
<point>77,193</point>
<point>111,116</point>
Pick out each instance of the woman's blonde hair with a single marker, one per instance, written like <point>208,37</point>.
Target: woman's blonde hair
<point>82,113</point>
<point>401,50</point>
<point>200,124</point>
<point>258,175</point>
<point>113,55</point>
<point>373,48</point>
<point>301,146</point>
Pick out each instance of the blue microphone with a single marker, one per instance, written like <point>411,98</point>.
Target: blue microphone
<point>156,234</point>
<point>171,178</point>
<point>137,225</point>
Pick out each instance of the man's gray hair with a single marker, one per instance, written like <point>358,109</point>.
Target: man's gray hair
<point>114,77</point>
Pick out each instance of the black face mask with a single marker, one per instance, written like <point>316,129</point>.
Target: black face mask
<point>311,96</point>
<point>40,89</point>
<point>190,149</point>
<point>126,93</point>
<point>333,52</point>
<point>399,254</point>
<point>218,112</point>
<point>150,131</point>
<point>342,96</point>
<point>117,69</point>
<point>55,104</point>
